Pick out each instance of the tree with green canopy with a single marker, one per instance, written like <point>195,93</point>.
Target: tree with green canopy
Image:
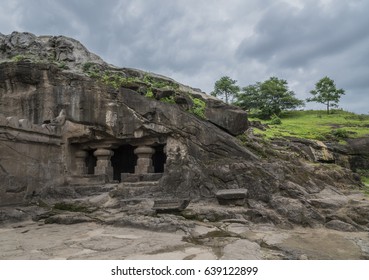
<point>225,87</point>
<point>268,98</point>
<point>325,92</point>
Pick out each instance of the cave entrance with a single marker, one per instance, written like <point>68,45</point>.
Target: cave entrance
<point>159,159</point>
<point>123,161</point>
<point>91,162</point>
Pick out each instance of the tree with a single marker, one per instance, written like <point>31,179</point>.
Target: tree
<point>226,87</point>
<point>269,98</point>
<point>325,92</point>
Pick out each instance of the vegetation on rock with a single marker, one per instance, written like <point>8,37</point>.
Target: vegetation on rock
<point>316,125</point>
<point>198,107</point>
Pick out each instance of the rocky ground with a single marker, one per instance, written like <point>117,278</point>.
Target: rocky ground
<point>124,234</point>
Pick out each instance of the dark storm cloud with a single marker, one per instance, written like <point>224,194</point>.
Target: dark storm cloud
<point>198,41</point>
<point>294,37</point>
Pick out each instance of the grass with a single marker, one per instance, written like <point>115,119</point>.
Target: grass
<point>364,175</point>
<point>365,181</point>
<point>317,125</point>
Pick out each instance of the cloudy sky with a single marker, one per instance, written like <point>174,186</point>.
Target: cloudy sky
<point>197,41</point>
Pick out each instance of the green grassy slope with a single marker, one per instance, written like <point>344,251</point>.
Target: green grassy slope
<point>317,125</point>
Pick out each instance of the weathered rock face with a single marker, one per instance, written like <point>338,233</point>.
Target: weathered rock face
<point>30,157</point>
<point>359,153</point>
<point>112,133</point>
<point>60,49</point>
<point>98,113</point>
<point>70,55</point>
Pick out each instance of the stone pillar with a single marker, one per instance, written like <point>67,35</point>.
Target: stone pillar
<point>81,168</point>
<point>103,164</point>
<point>165,153</point>
<point>144,160</point>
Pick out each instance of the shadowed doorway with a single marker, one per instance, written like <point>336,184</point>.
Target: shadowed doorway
<point>123,161</point>
<point>159,158</point>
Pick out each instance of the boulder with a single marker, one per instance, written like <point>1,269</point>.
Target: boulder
<point>232,196</point>
<point>230,118</point>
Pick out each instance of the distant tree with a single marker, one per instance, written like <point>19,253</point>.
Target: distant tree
<point>325,92</point>
<point>226,87</point>
<point>269,98</point>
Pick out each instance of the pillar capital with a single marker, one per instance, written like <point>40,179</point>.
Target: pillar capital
<point>102,153</point>
<point>144,150</point>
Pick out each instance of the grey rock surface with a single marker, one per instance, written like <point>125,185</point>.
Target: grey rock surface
<point>289,183</point>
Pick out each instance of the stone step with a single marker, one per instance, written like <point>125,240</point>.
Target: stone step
<point>128,190</point>
<point>129,177</point>
<point>147,184</point>
<point>89,190</point>
<point>87,180</point>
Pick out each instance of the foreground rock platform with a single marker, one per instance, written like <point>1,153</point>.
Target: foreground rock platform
<point>206,242</point>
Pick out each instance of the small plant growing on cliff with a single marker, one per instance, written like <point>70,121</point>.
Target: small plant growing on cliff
<point>18,58</point>
<point>91,70</point>
<point>169,100</point>
<point>149,93</point>
<point>198,107</point>
<point>158,83</point>
<point>62,65</point>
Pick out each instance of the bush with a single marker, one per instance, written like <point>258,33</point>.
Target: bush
<point>18,58</point>
<point>149,93</point>
<point>169,100</point>
<point>198,107</point>
<point>340,133</point>
<point>275,120</point>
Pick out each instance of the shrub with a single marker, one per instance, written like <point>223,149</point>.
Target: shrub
<point>18,58</point>
<point>198,107</point>
<point>275,120</point>
<point>340,133</point>
<point>169,100</point>
<point>149,93</point>
<point>62,65</point>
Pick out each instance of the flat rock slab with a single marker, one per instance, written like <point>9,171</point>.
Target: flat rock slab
<point>170,205</point>
<point>232,196</point>
<point>242,250</point>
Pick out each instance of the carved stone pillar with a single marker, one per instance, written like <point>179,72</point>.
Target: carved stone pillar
<point>144,160</point>
<point>81,168</point>
<point>103,164</point>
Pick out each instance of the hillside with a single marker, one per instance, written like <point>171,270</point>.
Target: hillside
<point>316,125</point>
<point>340,128</point>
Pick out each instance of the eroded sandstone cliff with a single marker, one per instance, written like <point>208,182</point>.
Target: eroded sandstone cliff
<point>147,141</point>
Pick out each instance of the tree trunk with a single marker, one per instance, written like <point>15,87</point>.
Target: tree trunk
<point>328,107</point>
